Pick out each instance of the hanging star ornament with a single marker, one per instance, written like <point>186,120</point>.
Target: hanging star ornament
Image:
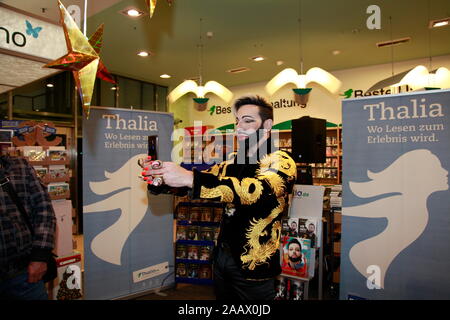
<point>96,41</point>
<point>151,4</point>
<point>82,58</point>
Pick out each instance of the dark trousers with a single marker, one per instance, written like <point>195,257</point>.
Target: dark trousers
<point>230,284</point>
<point>18,288</point>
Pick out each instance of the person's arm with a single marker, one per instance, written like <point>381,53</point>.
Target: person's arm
<point>275,173</point>
<point>44,225</point>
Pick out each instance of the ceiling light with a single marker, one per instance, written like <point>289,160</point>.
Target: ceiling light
<point>113,88</point>
<point>393,42</point>
<point>258,58</point>
<point>280,62</point>
<point>50,85</point>
<point>165,76</point>
<point>420,77</point>
<point>238,70</point>
<point>336,52</point>
<point>143,54</point>
<point>300,79</point>
<point>439,23</point>
<point>132,12</point>
<point>200,90</point>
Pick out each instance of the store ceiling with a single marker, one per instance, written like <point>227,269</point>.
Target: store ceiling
<point>242,29</point>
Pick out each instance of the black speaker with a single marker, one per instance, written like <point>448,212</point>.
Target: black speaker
<point>309,140</point>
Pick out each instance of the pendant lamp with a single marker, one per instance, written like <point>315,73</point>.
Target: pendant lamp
<point>418,78</point>
<point>200,90</point>
<point>301,81</point>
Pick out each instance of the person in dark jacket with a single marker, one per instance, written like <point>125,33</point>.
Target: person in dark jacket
<point>255,184</point>
<point>23,253</point>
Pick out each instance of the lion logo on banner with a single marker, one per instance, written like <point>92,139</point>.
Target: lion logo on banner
<point>124,182</point>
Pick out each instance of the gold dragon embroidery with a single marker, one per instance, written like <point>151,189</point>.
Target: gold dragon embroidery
<point>257,253</point>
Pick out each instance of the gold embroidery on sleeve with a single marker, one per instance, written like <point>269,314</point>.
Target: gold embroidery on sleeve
<point>224,192</point>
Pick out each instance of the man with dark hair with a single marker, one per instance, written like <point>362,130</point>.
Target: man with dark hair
<point>254,183</point>
<point>24,249</point>
<point>294,259</point>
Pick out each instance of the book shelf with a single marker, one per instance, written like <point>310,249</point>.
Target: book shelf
<point>211,146</point>
<point>51,165</point>
<point>335,231</point>
<point>197,230</point>
<point>330,172</point>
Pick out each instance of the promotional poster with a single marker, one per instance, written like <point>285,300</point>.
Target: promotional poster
<point>127,232</point>
<point>395,215</point>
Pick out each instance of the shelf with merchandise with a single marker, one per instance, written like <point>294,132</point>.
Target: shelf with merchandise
<point>333,153</point>
<point>51,165</point>
<point>197,230</point>
<point>210,145</point>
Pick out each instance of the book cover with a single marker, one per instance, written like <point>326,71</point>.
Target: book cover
<point>293,227</point>
<point>206,233</point>
<point>206,214</point>
<point>58,189</point>
<point>182,232</point>
<point>192,252</point>
<point>195,214</point>
<point>217,214</point>
<point>297,256</point>
<point>280,288</point>
<point>192,270</point>
<point>284,227</point>
<point>205,253</point>
<point>35,153</point>
<point>192,233</point>
<point>182,213</point>
<point>181,251</point>
<point>205,271</point>
<point>310,228</point>
<point>181,270</point>
<point>57,171</point>
<point>296,290</point>
<point>57,155</point>
<point>40,171</point>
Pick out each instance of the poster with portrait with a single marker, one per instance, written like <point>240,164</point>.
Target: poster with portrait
<point>396,199</point>
<point>310,228</point>
<point>298,258</point>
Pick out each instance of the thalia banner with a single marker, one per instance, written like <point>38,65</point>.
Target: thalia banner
<point>127,232</point>
<point>396,198</point>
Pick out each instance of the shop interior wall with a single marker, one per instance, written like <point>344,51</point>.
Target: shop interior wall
<point>322,104</point>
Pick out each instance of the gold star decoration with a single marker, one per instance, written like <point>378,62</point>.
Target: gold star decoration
<point>151,4</point>
<point>96,41</point>
<point>82,58</point>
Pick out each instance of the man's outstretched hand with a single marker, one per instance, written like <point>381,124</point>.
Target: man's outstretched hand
<point>172,173</point>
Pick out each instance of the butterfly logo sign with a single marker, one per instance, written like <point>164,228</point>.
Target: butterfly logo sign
<point>32,31</point>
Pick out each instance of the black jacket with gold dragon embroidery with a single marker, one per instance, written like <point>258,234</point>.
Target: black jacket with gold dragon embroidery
<point>256,196</point>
